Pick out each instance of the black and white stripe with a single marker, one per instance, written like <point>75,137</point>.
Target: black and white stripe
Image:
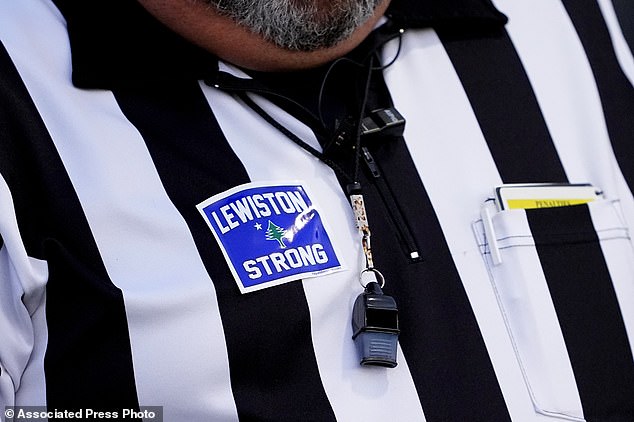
<point>141,308</point>
<point>267,360</point>
<point>577,276</point>
<point>82,305</point>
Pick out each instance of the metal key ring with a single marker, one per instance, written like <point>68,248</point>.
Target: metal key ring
<point>379,277</point>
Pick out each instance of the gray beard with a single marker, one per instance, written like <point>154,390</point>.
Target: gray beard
<point>299,25</point>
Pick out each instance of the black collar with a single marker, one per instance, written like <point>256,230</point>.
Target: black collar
<point>117,43</point>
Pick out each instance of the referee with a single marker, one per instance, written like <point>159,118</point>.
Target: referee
<point>294,210</point>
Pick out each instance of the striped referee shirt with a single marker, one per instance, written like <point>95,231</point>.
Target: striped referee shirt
<point>140,192</point>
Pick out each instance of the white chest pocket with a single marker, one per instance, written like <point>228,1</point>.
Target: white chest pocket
<point>510,251</point>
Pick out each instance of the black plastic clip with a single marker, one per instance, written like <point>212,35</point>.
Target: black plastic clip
<point>384,122</point>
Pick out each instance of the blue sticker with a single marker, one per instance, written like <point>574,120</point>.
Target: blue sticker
<point>270,234</point>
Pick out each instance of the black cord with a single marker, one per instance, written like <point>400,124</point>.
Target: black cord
<point>233,84</point>
<point>323,85</point>
<point>243,95</point>
<point>364,101</point>
<point>296,139</point>
<point>369,56</point>
<point>398,52</point>
<point>307,147</point>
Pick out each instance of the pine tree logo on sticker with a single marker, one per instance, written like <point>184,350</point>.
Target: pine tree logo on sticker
<point>270,234</point>
<point>275,233</point>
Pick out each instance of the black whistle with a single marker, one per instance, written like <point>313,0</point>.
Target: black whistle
<point>375,327</point>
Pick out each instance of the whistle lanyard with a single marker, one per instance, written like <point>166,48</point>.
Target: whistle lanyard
<point>374,315</point>
<point>363,226</point>
<point>354,187</point>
